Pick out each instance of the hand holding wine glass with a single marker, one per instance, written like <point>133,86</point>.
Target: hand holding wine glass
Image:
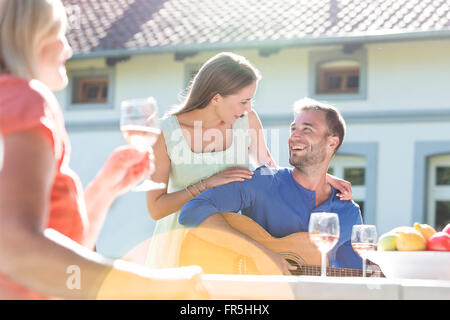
<point>364,238</point>
<point>139,123</point>
<point>324,233</point>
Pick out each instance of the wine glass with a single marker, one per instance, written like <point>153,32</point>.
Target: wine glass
<point>139,123</point>
<point>324,233</point>
<point>364,238</point>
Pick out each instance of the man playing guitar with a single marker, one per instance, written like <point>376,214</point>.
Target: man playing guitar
<point>281,200</point>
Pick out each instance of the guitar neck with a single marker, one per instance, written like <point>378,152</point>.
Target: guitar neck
<point>308,270</point>
<point>296,248</point>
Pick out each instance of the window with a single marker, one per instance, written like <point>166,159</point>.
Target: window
<point>338,77</point>
<point>352,169</point>
<point>335,75</point>
<point>438,208</point>
<point>442,214</point>
<point>91,89</point>
<point>355,175</point>
<point>443,176</point>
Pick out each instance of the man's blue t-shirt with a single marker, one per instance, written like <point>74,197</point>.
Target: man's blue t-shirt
<point>281,206</point>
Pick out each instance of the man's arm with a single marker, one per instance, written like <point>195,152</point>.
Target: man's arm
<point>230,197</point>
<point>204,211</point>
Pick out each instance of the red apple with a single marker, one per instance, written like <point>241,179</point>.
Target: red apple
<point>447,228</point>
<point>440,241</point>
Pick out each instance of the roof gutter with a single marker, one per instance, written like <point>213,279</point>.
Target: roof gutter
<point>372,37</point>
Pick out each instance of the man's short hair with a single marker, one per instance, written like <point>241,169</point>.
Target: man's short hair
<point>335,121</point>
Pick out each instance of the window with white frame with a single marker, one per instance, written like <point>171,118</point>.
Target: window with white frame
<point>438,206</point>
<point>352,169</point>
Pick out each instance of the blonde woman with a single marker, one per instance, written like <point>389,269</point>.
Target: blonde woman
<point>207,141</point>
<point>48,223</point>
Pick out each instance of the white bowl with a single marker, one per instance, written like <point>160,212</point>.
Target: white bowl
<point>413,264</point>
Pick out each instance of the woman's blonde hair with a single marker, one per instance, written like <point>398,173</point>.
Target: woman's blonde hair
<point>25,25</point>
<point>225,74</point>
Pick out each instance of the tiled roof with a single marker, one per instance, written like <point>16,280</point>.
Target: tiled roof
<point>106,26</point>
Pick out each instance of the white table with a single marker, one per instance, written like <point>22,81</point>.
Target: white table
<point>330,288</point>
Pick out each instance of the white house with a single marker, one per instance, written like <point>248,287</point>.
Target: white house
<point>385,64</point>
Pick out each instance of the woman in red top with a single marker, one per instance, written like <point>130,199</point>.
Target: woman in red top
<point>48,223</point>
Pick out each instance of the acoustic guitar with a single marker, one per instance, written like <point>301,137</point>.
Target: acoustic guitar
<point>296,248</point>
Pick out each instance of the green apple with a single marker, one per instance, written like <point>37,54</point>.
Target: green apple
<point>387,242</point>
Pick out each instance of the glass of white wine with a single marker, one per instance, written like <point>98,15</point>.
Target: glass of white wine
<point>139,123</point>
<point>364,239</point>
<point>324,233</point>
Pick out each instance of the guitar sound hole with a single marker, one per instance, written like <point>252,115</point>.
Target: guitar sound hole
<point>296,265</point>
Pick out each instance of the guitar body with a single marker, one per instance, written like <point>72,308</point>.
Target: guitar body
<point>297,248</point>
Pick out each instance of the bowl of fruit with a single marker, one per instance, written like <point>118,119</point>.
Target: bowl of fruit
<point>418,252</point>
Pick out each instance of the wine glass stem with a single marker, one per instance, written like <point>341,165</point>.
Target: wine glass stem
<point>364,268</point>
<point>147,176</point>
<point>323,269</point>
